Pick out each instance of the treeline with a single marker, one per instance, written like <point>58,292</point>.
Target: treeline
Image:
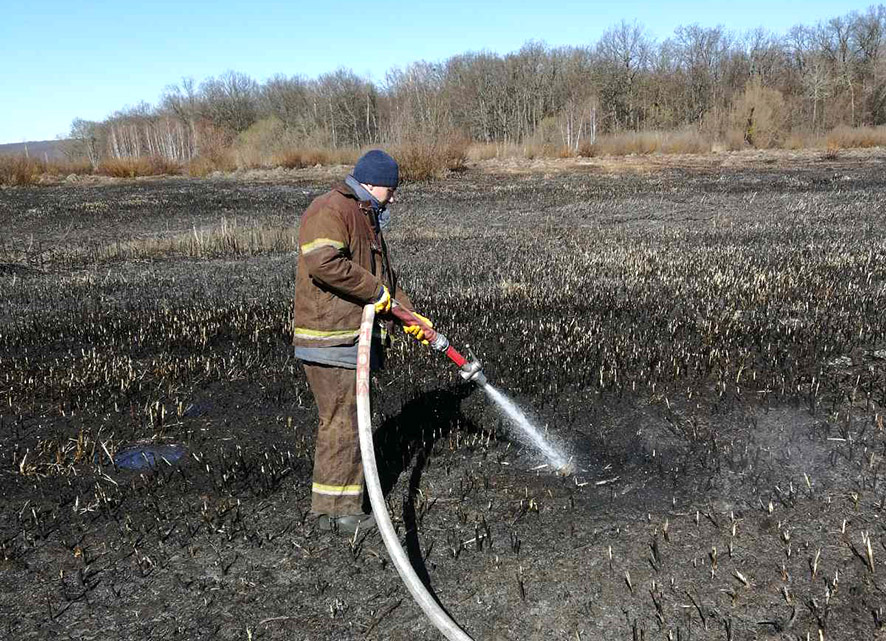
<point>755,88</point>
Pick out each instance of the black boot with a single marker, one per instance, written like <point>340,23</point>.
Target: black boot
<point>347,524</point>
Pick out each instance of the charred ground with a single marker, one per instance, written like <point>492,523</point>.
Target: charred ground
<point>708,341</point>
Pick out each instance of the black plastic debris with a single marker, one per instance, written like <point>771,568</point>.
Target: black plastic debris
<point>148,455</point>
<point>197,409</point>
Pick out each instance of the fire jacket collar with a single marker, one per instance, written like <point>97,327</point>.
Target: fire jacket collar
<point>362,193</point>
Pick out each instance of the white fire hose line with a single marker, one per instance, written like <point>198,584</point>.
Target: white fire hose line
<point>431,608</point>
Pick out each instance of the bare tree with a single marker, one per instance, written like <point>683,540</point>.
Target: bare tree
<point>625,52</point>
<point>230,101</point>
<point>347,106</point>
<point>183,103</point>
<point>817,76</point>
<point>476,93</point>
<point>703,53</point>
<point>416,102</point>
<point>290,99</point>
<point>575,96</point>
<point>85,141</point>
<point>868,34</point>
<point>834,40</point>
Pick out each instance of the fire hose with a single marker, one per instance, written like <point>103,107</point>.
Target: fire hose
<point>470,370</point>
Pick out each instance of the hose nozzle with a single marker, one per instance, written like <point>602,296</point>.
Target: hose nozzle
<point>473,371</point>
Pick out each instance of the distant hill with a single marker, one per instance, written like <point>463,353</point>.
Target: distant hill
<point>51,149</point>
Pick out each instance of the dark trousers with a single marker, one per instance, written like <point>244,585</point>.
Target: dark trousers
<point>338,469</point>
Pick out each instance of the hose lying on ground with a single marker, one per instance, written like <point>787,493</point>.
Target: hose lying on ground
<point>431,608</point>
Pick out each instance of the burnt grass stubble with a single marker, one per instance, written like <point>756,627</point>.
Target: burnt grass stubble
<point>709,346</point>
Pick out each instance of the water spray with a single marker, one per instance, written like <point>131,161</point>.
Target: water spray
<point>472,370</point>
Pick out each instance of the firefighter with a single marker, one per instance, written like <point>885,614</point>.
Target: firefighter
<point>343,264</point>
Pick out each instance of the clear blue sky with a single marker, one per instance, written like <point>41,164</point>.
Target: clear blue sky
<point>65,59</point>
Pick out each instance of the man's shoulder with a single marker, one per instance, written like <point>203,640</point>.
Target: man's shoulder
<point>338,199</point>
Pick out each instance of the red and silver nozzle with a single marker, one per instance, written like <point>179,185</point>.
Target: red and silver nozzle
<point>470,370</point>
<point>473,371</point>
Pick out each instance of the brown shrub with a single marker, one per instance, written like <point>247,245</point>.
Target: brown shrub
<point>427,159</point>
<point>343,156</point>
<point>316,156</point>
<point>795,141</point>
<point>531,151</point>
<point>165,167</point>
<point>214,142</point>
<point>257,146</point>
<point>625,144</point>
<point>844,137</point>
<point>482,151</point>
<point>509,150</point>
<point>133,167</point>
<point>586,149</point>
<point>22,170</point>
<point>19,170</point>
<point>291,159</point>
<point>202,166</point>
<point>418,161</point>
<point>120,167</point>
<point>685,142</point>
<point>761,114</point>
<point>199,167</point>
<point>68,167</point>
<point>734,140</point>
<point>300,157</point>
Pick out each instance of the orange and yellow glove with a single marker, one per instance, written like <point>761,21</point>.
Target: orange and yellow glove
<point>383,303</point>
<point>417,331</point>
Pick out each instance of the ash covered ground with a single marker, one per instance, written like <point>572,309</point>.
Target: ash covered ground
<point>706,338</point>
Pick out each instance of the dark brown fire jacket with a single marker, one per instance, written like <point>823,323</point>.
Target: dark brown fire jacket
<point>343,262</point>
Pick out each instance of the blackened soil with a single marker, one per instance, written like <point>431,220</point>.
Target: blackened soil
<point>708,344</point>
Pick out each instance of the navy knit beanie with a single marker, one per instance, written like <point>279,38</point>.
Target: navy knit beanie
<point>377,168</point>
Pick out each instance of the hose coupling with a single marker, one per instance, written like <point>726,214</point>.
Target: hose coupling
<point>440,343</point>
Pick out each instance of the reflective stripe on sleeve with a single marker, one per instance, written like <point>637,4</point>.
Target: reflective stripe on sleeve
<point>337,490</point>
<point>321,242</point>
<point>319,334</point>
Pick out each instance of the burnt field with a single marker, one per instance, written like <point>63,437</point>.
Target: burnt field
<point>708,343</point>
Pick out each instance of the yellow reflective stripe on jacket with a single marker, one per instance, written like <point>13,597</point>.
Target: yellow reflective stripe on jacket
<point>337,490</point>
<point>319,334</point>
<point>321,242</point>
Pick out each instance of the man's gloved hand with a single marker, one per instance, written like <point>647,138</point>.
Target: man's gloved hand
<point>417,331</point>
<point>383,304</point>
